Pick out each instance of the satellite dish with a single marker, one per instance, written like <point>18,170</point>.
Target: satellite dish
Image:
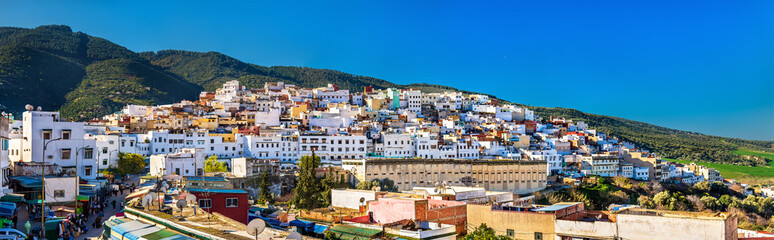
<point>163,189</point>
<point>255,227</point>
<point>29,107</point>
<point>294,236</point>
<point>378,188</point>
<point>165,184</point>
<point>181,204</point>
<point>190,198</point>
<point>362,199</point>
<point>147,201</point>
<point>437,184</point>
<point>444,183</point>
<point>153,196</point>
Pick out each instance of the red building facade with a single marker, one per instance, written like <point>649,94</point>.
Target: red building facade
<point>232,203</point>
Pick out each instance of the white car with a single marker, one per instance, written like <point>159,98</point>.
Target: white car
<point>11,234</point>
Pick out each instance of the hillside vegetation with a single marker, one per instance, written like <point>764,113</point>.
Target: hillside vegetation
<point>86,77</point>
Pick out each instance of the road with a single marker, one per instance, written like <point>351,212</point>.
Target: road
<point>92,233</point>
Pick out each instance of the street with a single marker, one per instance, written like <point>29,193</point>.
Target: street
<point>109,211</point>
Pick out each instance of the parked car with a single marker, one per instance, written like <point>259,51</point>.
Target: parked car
<point>11,234</point>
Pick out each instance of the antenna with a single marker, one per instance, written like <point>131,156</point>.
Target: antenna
<point>255,227</point>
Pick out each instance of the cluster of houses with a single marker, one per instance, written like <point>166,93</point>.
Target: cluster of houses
<point>487,150</point>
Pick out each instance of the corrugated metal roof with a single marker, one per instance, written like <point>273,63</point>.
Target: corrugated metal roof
<point>217,190</point>
<point>555,207</point>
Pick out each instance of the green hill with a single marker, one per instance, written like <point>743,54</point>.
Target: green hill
<point>85,77</point>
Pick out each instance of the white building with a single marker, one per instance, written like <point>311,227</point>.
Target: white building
<point>398,145</point>
<point>162,142</point>
<point>600,164</point>
<point>65,143</point>
<point>284,148</point>
<point>61,189</point>
<point>188,162</point>
<point>413,100</point>
<point>641,173</point>
<point>332,149</point>
<point>553,158</point>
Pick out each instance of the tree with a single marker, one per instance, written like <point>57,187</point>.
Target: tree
<point>328,183</point>
<point>263,185</point>
<point>213,165</point>
<point>711,203</point>
<point>330,235</point>
<point>308,187</point>
<point>364,185</point>
<point>130,163</point>
<point>484,232</point>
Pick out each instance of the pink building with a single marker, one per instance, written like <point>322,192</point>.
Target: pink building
<point>390,210</point>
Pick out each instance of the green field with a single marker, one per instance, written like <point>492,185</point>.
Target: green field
<point>767,155</point>
<point>751,175</point>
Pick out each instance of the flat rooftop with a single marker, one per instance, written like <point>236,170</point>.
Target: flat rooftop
<point>673,214</point>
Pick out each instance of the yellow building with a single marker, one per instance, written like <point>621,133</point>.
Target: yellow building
<point>494,175</point>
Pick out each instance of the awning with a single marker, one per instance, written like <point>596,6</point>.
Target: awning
<point>12,197</point>
<point>178,237</point>
<point>83,198</point>
<point>161,234</point>
<point>28,182</point>
<point>137,194</point>
<point>320,229</point>
<point>132,230</point>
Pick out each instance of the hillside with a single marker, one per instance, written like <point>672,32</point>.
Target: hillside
<point>85,77</point>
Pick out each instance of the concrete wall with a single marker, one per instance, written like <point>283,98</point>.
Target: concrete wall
<point>61,183</point>
<point>523,224</point>
<point>631,226</point>
<point>351,198</point>
<point>586,229</point>
<point>389,210</point>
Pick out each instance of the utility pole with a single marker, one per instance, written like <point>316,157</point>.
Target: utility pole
<point>43,191</point>
<point>77,178</point>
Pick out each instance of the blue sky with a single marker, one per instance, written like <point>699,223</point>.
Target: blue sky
<point>705,66</point>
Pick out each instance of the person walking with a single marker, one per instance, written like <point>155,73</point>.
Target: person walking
<point>28,226</point>
<point>113,203</point>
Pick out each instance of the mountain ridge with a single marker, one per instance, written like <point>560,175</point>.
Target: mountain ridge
<point>84,77</point>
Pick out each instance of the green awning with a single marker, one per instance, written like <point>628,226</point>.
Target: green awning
<point>38,201</point>
<point>159,235</point>
<point>356,231</point>
<point>83,198</point>
<point>12,197</point>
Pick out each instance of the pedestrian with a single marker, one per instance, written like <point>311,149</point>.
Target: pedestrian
<point>27,226</point>
<point>114,204</point>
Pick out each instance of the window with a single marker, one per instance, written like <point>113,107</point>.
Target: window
<point>87,170</point>
<point>538,236</point>
<point>59,193</point>
<point>88,153</point>
<point>232,202</point>
<point>65,153</point>
<point>104,162</point>
<point>205,203</point>
<point>104,150</point>
<point>47,134</point>
<point>509,232</point>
